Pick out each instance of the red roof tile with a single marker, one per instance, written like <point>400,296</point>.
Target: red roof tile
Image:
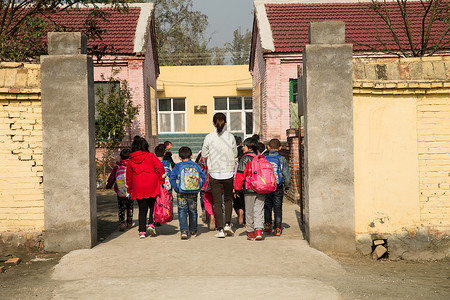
<point>289,24</point>
<point>120,28</point>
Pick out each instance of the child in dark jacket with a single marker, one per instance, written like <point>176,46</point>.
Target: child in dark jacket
<point>254,203</point>
<point>167,154</point>
<point>187,179</point>
<point>274,200</point>
<point>117,178</point>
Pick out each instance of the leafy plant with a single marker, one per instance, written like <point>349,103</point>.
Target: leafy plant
<point>116,112</point>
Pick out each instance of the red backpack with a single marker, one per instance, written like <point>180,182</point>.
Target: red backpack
<point>163,212</point>
<point>261,177</point>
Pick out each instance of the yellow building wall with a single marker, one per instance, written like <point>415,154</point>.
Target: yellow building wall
<point>386,163</point>
<point>402,158</point>
<point>199,85</point>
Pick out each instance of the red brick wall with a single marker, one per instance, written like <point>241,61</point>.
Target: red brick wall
<point>290,151</point>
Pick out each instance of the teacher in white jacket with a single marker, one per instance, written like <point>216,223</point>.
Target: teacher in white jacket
<point>220,149</point>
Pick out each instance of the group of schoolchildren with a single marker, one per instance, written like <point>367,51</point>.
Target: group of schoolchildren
<point>140,173</point>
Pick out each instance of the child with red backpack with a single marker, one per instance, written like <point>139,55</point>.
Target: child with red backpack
<point>117,178</point>
<point>255,177</point>
<point>274,200</point>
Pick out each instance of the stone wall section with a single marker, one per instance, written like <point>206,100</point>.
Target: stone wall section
<point>21,167</point>
<point>427,80</point>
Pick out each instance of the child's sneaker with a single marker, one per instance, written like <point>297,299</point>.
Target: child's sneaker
<point>122,227</point>
<point>268,227</point>
<point>212,224</point>
<point>184,235</point>
<point>277,231</point>
<point>193,234</point>
<point>130,225</point>
<point>228,230</point>
<point>258,234</point>
<point>142,235</point>
<point>151,230</point>
<point>220,234</point>
<point>251,236</point>
<point>204,216</point>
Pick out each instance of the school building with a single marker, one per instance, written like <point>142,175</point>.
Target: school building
<point>189,96</point>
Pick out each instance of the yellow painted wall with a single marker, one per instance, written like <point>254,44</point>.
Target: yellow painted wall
<point>402,158</point>
<point>386,163</point>
<point>199,85</point>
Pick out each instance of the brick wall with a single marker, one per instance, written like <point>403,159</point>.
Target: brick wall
<point>21,191</point>
<point>423,84</point>
<point>428,81</point>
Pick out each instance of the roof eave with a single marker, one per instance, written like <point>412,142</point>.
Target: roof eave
<point>142,27</point>
<point>263,25</point>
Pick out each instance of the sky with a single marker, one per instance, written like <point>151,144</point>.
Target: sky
<point>224,17</point>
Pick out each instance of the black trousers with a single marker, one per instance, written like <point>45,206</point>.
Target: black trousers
<point>144,205</point>
<point>216,190</point>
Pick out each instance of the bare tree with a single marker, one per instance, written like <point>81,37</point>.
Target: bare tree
<point>24,24</point>
<point>417,28</point>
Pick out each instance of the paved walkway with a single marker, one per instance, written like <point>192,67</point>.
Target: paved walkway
<point>166,267</point>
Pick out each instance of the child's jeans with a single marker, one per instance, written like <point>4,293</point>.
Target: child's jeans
<point>144,205</point>
<point>187,204</point>
<point>125,208</point>
<point>254,211</point>
<point>274,201</point>
<point>202,203</point>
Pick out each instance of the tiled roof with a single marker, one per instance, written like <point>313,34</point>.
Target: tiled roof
<point>120,29</point>
<point>289,24</point>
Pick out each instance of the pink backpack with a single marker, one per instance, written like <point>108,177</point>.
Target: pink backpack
<point>262,177</point>
<point>163,211</point>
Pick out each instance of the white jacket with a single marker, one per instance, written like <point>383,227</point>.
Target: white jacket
<point>221,151</point>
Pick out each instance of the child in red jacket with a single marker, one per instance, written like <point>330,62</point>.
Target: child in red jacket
<point>144,175</point>
<point>117,179</point>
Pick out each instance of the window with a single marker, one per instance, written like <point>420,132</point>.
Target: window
<point>238,111</point>
<point>293,91</point>
<point>172,115</point>
<point>104,87</point>
<point>293,103</point>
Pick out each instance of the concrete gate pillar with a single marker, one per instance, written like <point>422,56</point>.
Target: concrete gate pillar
<point>328,121</point>
<point>68,143</point>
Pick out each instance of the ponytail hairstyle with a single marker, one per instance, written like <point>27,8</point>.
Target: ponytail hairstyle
<point>139,144</point>
<point>219,120</point>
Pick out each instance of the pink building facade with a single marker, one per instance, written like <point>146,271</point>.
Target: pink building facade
<point>280,32</point>
<point>140,69</point>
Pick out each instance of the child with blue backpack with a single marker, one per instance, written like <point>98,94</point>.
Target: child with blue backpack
<point>274,200</point>
<point>187,179</point>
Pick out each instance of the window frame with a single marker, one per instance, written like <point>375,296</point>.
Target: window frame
<point>243,112</point>
<point>171,112</point>
<point>293,82</point>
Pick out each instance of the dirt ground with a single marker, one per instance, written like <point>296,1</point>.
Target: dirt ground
<point>381,279</point>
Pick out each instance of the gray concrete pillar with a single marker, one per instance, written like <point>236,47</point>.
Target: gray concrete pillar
<point>69,144</point>
<point>328,113</point>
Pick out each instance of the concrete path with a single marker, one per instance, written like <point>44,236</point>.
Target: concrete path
<point>166,267</point>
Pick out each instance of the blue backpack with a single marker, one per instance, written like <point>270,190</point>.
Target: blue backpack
<point>189,180</point>
<point>276,164</point>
